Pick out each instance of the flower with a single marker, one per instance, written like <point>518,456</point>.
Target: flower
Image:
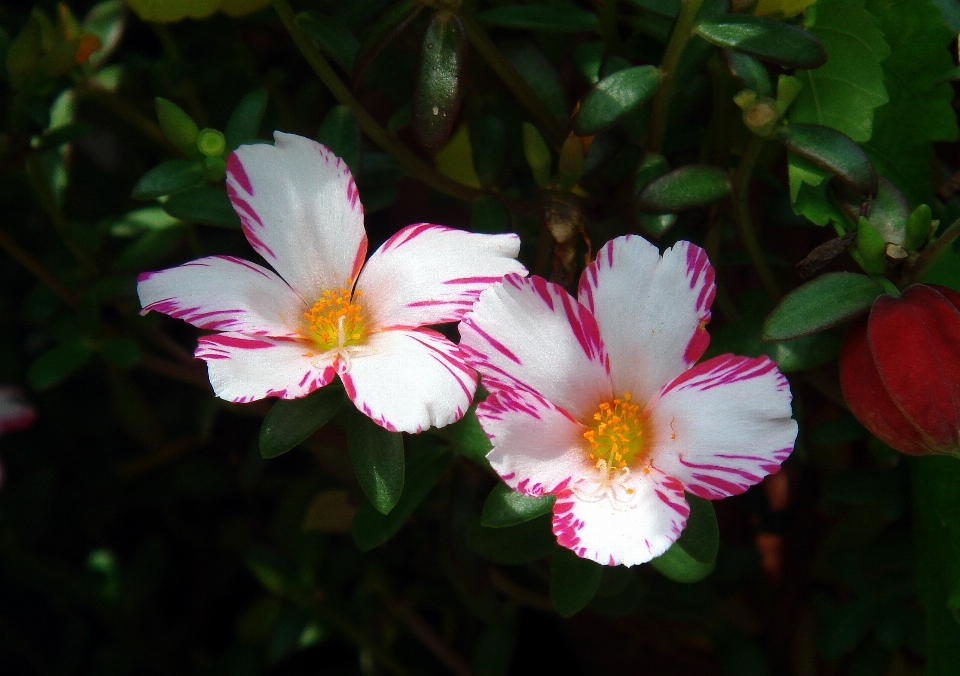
<point>14,413</point>
<point>900,370</point>
<point>599,401</point>
<point>287,334</point>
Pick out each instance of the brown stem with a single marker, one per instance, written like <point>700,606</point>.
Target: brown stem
<point>26,259</point>
<point>425,634</point>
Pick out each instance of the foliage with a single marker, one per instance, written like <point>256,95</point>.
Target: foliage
<point>149,527</point>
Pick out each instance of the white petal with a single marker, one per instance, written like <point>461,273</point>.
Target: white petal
<point>723,425</point>
<point>651,310</point>
<point>14,413</point>
<point>407,381</point>
<point>537,448</point>
<point>223,293</point>
<point>300,210</point>
<point>527,333</point>
<point>245,368</point>
<point>429,274</point>
<point>626,528</point>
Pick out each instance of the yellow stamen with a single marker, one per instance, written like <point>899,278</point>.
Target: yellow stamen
<point>616,435</point>
<point>335,320</point>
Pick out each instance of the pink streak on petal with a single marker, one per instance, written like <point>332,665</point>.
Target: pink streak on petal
<point>239,174</point>
<point>494,343</point>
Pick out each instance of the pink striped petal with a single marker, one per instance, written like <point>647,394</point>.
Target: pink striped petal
<point>430,274</point>
<point>652,310</point>
<point>526,333</point>
<point>723,425</point>
<point>15,414</point>
<point>537,448</point>
<point>407,381</point>
<point>223,293</point>
<point>247,368</point>
<point>620,527</point>
<point>300,210</point>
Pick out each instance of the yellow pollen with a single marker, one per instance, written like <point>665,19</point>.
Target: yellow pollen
<point>616,435</point>
<point>335,320</point>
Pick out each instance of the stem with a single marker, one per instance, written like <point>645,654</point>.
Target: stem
<point>428,637</point>
<point>511,78</point>
<point>409,161</point>
<point>682,31</point>
<point>26,259</point>
<point>741,214</point>
<point>129,114</point>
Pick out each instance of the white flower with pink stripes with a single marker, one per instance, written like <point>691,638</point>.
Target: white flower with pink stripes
<point>599,401</point>
<point>324,312</point>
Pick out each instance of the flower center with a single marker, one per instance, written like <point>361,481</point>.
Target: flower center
<point>335,320</point>
<point>616,433</point>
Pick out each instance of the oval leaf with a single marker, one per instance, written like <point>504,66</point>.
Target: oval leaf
<point>826,301</point>
<point>178,127</point>
<point>614,97</point>
<point>560,18</point>
<point>524,543</point>
<point>372,528</point>
<point>332,36</point>
<point>437,98</point>
<point>244,122</point>
<point>204,204</point>
<point>55,365</point>
<point>831,150</point>
<point>694,555</point>
<point>506,507</point>
<point>751,73</point>
<point>168,178</point>
<point>377,456</point>
<point>573,582</point>
<point>291,421</point>
<point>766,39</point>
<point>688,187</point>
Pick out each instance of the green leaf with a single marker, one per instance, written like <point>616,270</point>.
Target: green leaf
<point>919,111</point>
<point>766,39</point>
<point>537,153</point>
<point>809,191</point>
<point>178,127</point>
<point>424,468</point>
<point>524,543</point>
<point>871,247</point>
<point>290,421</point>
<point>538,71</point>
<point>506,507</point>
<point>143,220</point>
<point>148,249</point>
<point>488,140</point>
<point>489,216</point>
<point>919,226</point>
<point>244,121</point>
<point>573,581</point>
<point>844,92</point>
<point>204,204</point>
<point>468,438</point>
<point>437,98</point>
<point>168,178</point>
<point>832,151</point>
<point>57,364</point>
<point>752,74</point>
<point>614,97</point>
<point>377,457</point>
<point>694,555</point>
<point>588,56</point>
<point>694,185</point>
<point>120,351</point>
<point>332,36</point>
<point>340,132</point>
<point>826,301</point>
<point>561,17</point>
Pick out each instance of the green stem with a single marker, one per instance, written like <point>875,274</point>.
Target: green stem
<point>409,161</point>
<point>514,82</point>
<point>682,31</point>
<point>741,214</point>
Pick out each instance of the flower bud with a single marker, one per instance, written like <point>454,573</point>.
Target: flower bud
<point>900,370</point>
